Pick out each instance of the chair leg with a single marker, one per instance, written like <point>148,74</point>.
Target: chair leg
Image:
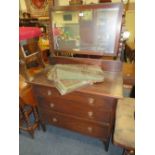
<point>35,111</point>
<point>128,152</point>
<point>123,153</point>
<point>25,116</point>
<point>106,145</point>
<point>30,129</point>
<point>36,116</point>
<point>31,132</point>
<point>43,126</point>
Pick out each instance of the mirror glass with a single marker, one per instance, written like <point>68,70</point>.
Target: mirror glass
<point>90,30</point>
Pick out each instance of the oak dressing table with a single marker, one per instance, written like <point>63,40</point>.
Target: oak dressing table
<point>89,110</point>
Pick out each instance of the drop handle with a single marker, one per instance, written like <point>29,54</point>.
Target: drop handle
<point>49,93</point>
<point>90,129</point>
<point>91,101</point>
<point>52,105</point>
<point>54,120</point>
<point>90,113</point>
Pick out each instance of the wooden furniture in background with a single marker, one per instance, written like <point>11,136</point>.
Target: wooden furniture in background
<point>124,134</point>
<point>31,22</point>
<point>27,108</point>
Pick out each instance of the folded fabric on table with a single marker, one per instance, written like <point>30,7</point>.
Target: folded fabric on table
<point>79,72</point>
<point>69,77</point>
<point>76,72</point>
<point>67,86</point>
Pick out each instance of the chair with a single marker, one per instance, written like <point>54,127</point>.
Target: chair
<point>28,112</point>
<point>124,133</point>
<point>30,56</point>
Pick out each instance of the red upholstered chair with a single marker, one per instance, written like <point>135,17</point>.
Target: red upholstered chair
<point>30,56</point>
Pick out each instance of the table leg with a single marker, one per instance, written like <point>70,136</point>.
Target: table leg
<point>106,145</point>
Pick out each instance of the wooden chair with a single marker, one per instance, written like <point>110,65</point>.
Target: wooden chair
<point>29,52</point>
<point>27,108</point>
<point>124,133</point>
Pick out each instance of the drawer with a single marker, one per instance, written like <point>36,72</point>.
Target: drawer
<point>78,125</point>
<point>75,109</point>
<point>88,100</point>
<point>45,91</point>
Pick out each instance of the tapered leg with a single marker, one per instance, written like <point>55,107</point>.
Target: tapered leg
<point>43,127</point>
<point>31,132</point>
<point>106,145</point>
<point>36,116</point>
<point>123,153</point>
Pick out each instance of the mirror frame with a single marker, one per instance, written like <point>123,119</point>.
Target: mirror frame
<point>82,8</point>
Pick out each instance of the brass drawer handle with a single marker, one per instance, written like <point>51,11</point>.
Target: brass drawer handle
<point>90,113</point>
<point>131,152</point>
<point>91,101</point>
<point>90,129</point>
<point>52,105</point>
<point>49,93</point>
<point>54,120</point>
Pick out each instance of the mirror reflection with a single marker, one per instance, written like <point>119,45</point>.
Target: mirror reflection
<point>88,30</point>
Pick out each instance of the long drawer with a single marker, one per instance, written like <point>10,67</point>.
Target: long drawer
<point>87,100</point>
<point>75,124</point>
<point>75,109</point>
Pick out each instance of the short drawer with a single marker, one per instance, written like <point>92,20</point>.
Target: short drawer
<point>75,109</point>
<point>98,102</point>
<point>78,125</point>
<point>45,91</point>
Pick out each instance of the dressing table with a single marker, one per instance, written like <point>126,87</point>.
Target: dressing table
<point>89,110</point>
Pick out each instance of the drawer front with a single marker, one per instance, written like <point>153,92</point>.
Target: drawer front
<point>75,109</point>
<point>46,91</point>
<point>78,125</point>
<point>87,100</point>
